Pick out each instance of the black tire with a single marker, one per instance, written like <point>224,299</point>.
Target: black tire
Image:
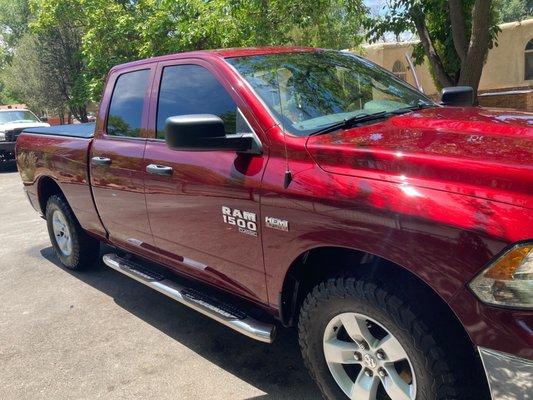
<point>85,250</point>
<point>435,379</point>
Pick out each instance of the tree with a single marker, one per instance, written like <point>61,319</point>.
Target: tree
<point>61,62</point>
<point>14,19</point>
<point>117,31</point>
<point>26,79</point>
<point>334,24</point>
<point>59,37</point>
<point>47,73</point>
<point>514,10</point>
<point>76,42</point>
<point>455,35</point>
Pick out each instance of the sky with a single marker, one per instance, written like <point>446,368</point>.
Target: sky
<point>376,6</point>
<point>379,7</point>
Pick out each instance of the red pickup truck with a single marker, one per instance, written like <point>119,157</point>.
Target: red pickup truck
<point>310,188</point>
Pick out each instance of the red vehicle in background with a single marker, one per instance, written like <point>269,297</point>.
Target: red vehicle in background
<point>310,188</point>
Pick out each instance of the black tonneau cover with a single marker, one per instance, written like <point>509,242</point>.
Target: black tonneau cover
<point>84,131</point>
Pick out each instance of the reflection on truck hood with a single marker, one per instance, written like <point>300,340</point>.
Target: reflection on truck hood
<point>442,148</point>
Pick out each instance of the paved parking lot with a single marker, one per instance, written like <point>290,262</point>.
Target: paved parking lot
<point>98,334</point>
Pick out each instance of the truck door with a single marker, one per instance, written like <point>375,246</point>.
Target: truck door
<point>116,157</point>
<point>204,206</point>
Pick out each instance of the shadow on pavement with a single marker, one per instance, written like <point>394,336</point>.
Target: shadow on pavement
<point>275,369</point>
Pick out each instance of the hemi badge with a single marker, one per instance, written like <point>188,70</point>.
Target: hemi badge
<point>276,223</point>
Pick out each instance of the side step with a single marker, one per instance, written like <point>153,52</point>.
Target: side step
<point>220,311</point>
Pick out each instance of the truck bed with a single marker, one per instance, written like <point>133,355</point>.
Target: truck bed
<point>82,131</point>
<point>59,153</point>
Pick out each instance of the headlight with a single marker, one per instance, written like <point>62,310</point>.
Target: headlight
<point>2,136</point>
<point>508,281</point>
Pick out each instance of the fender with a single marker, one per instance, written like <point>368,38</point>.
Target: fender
<point>431,235</point>
<point>64,161</point>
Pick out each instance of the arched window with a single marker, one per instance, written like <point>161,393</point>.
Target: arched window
<point>399,70</point>
<point>528,58</point>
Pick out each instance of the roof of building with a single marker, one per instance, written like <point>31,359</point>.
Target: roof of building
<point>383,45</point>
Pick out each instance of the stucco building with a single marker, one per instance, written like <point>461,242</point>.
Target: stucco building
<point>507,79</point>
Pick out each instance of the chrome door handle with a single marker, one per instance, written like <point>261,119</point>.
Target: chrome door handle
<point>159,169</point>
<point>100,161</point>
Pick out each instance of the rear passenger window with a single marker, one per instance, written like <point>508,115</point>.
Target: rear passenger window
<point>125,111</point>
<point>192,89</point>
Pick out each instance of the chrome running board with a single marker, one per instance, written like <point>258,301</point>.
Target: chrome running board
<point>222,312</point>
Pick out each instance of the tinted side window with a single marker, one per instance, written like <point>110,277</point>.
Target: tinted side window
<point>192,89</point>
<point>125,111</point>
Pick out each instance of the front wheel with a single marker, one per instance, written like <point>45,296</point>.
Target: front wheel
<point>72,245</point>
<point>363,342</point>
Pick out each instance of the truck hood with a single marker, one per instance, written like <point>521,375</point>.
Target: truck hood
<point>22,125</point>
<point>481,152</point>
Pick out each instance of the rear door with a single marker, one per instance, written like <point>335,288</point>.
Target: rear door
<point>116,157</point>
<point>204,214</point>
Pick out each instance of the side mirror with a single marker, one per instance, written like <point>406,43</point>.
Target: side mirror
<point>204,132</point>
<point>43,119</point>
<point>462,96</point>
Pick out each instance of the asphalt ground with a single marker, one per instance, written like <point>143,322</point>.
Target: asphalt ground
<point>99,334</point>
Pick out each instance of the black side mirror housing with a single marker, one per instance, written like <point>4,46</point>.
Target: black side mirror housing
<point>204,132</point>
<point>461,96</point>
<point>44,118</point>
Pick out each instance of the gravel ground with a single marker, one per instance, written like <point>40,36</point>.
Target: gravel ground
<point>99,334</point>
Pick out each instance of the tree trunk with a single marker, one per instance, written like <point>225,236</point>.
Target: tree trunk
<point>80,113</point>
<point>472,67</point>
<point>436,63</point>
<point>458,23</point>
<point>82,116</point>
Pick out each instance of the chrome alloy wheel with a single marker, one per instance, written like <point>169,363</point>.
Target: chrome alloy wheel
<point>62,233</point>
<point>366,360</point>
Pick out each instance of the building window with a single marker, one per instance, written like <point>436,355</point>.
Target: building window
<point>528,73</point>
<point>399,70</point>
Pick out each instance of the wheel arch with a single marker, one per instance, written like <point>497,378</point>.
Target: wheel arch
<point>315,265</point>
<point>307,270</point>
<point>46,187</point>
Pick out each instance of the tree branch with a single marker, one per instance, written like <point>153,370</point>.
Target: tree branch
<point>434,59</point>
<point>458,23</point>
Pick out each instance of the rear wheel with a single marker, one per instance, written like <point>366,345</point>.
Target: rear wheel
<point>72,245</point>
<point>362,341</point>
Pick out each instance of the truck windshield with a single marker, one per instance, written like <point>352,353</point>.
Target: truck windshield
<point>10,117</point>
<point>309,91</point>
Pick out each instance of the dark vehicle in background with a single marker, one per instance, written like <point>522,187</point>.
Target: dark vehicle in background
<point>311,189</point>
<point>12,122</point>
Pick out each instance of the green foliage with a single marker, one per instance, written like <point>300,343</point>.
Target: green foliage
<point>514,10</point>
<point>59,29</point>
<point>14,15</point>
<point>88,37</point>
<point>23,77</point>
<point>120,31</point>
<point>46,70</point>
